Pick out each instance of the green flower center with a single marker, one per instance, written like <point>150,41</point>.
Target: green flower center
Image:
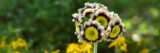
<point>91,33</point>
<point>102,20</point>
<point>77,27</point>
<point>115,31</point>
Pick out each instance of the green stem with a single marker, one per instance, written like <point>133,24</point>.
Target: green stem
<point>95,47</point>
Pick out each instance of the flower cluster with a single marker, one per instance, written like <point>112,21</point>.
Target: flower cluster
<point>95,23</point>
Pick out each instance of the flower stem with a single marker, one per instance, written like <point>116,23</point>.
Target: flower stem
<point>95,47</point>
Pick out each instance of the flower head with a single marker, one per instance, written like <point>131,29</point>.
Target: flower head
<point>93,32</point>
<point>115,29</point>
<point>91,8</point>
<point>102,16</point>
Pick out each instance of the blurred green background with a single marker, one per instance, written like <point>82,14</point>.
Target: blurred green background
<point>47,24</point>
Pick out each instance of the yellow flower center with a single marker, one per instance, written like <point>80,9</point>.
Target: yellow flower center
<point>102,20</point>
<point>77,27</point>
<point>91,33</point>
<point>115,31</point>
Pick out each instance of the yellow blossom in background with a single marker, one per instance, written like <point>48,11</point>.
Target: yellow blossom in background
<point>86,47</point>
<point>57,51</point>
<point>20,43</point>
<point>139,43</point>
<point>79,48</point>
<point>123,47</point>
<point>3,43</point>
<point>45,51</point>
<point>73,48</point>
<point>144,40</point>
<point>121,42</point>
<point>14,45</point>
<point>117,42</point>
<point>144,51</point>
<point>16,52</point>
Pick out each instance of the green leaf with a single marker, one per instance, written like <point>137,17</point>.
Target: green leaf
<point>84,19</point>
